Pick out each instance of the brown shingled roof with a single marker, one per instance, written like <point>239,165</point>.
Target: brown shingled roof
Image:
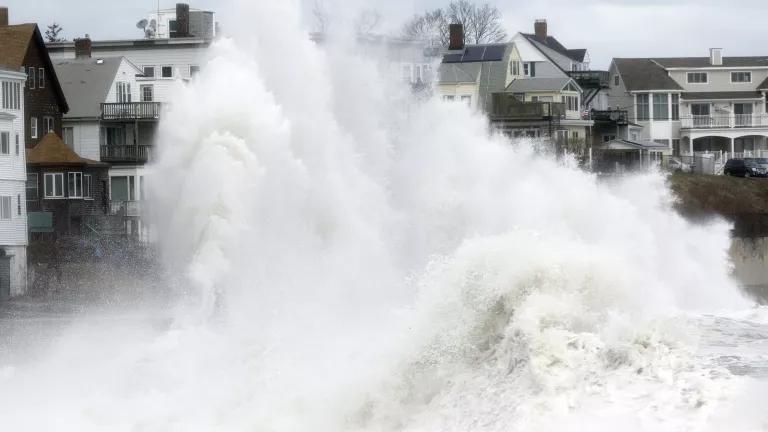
<point>644,74</point>
<point>51,151</point>
<point>14,44</point>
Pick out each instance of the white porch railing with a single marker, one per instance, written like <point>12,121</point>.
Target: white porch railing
<point>724,121</point>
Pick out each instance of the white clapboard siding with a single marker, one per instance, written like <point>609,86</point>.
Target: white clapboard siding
<point>125,73</point>
<point>86,137</point>
<point>13,170</point>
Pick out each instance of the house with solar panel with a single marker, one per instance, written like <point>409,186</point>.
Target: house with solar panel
<point>531,86</point>
<point>712,105</point>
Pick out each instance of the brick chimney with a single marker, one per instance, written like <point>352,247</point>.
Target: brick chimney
<point>182,20</point>
<point>457,37</point>
<point>3,16</point>
<point>540,28</point>
<point>83,47</point>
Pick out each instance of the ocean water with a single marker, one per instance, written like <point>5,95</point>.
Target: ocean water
<point>350,258</point>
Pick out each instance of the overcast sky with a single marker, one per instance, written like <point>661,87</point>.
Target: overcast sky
<point>607,28</point>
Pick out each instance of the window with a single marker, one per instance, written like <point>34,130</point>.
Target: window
<point>662,142</point>
<point>113,136</point>
<point>53,185</point>
<point>615,80</point>
<point>194,70</point>
<point>32,193</point>
<point>572,103</point>
<point>5,143</point>
<point>11,95</point>
<point>47,124</point>
<point>41,78</point>
<point>515,68</point>
<point>5,208</point>
<point>17,145</point>
<point>529,69</point>
<point>33,127</point>
<point>18,204</point>
<point>467,100</point>
<point>87,186</point>
<point>697,78</point>
<point>123,90</point>
<point>167,71</point>
<point>69,137</point>
<point>449,98</point>
<point>31,77</point>
<point>676,146</point>
<point>147,93</point>
<point>660,106</point>
<point>675,107</point>
<point>643,108</point>
<point>122,188</point>
<point>607,138</point>
<point>741,77</point>
<point>149,71</point>
<point>75,184</point>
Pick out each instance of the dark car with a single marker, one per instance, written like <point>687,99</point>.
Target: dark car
<point>763,162</point>
<point>744,168</point>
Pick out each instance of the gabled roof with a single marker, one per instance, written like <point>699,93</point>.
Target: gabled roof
<point>537,84</point>
<point>644,74</point>
<point>51,151</point>
<point>454,73</point>
<point>554,44</point>
<point>86,83</point>
<point>702,62</point>
<point>13,49</point>
<point>763,85</point>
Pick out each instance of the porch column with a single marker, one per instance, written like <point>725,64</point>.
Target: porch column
<point>733,147</point>
<point>690,145</point>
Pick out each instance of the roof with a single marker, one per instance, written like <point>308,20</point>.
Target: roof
<point>722,95</point>
<point>51,151</point>
<point>553,44</point>
<point>13,49</point>
<point>453,73</point>
<point>644,74</point>
<point>476,53</point>
<point>537,84</point>
<point>624,144</point>
<point>701,62</point>
<point>86,83</point>
<point>763,85</point>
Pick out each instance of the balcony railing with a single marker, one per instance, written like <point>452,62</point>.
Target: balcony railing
<point>617,116</point>
<point>125,208</point>
<point>126,153</point>
<point>507,107</point>
<point>724,121</point>
<point>592,78</point>
<point>130,111</point>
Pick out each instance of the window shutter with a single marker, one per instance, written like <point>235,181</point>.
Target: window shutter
<point>533,69</point>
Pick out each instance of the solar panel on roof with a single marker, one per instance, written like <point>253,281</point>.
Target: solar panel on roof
<point>494,53</point>
<point>473,54</point>
<point>452,58</point>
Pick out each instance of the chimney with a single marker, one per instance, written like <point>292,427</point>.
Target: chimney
<point>83,47</point>
<point>457,37</point>
<point>540,28</point>
<point>716,56</point>
<point>182,20</point>
<point>3,16</point>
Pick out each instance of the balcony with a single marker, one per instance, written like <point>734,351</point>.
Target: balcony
<point>612,116</point>
<point>507,107</point>
<point>591,79</point>
<point>126,153</point>
<point>130,111</point>
<point>728,121</point>
<point>125,208</point>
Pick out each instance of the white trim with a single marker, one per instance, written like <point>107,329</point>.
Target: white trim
<point>712,68</point>
<point>45,186</point>
<point>688,78</point>
<point>741,82</point>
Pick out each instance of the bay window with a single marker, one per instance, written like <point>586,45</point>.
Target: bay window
<point>660,106</point>
<point>75,184</point>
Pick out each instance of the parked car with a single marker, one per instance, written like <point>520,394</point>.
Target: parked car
<point>763,162</point>
<point>744,168</point>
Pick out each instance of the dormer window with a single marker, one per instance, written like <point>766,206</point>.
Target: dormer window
<point>697,78</point>
<point>741,77</point>
<point>529,69</point>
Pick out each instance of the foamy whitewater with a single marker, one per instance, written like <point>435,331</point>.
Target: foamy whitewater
<point>357,260</point>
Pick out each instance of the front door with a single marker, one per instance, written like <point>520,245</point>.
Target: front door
<point>5,278</point>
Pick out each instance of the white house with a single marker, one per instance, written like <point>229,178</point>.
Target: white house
<point>13,177</point>
<point>693,105</point>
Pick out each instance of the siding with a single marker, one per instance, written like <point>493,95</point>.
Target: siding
<point>13,174</point>
<point>719,80</point>
<point>40,102</point>
<point>86,136</point>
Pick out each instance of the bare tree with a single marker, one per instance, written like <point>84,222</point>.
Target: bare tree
<point>322,19</point>
<point>482,24</point>
<point>367,22</point>
<point>52,34</point>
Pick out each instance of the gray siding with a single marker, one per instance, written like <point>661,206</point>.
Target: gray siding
<point>719,80</point>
